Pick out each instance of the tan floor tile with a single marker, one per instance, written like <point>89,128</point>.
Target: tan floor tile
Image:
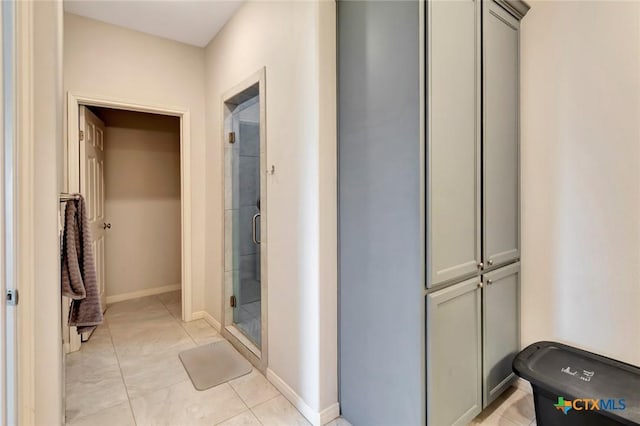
<point>338,422</point>
<point>175,309</point>
<point>518,407</point>
<point>93,393</point>
<point>119,415</point>
<point>514,405</point>
<point>150,338</point>
<point>170,297</point>
<point>254,388</point>
<point>244,419</point>
<point>181,404</point>
<point>147,374</point>
<point>133,310</point>
<point>138,347</point>
<point>493,420</point>
<point>279,412</point>
<point>201,332</point>
<point>92,380</point>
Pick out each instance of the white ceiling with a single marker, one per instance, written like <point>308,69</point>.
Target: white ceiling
<point>187,21</point>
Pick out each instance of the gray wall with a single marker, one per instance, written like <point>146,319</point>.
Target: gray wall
<point>380,288</point>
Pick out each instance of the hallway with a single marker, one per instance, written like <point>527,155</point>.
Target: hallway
<point>129,373</point>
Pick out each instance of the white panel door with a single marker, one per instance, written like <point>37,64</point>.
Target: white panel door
<point>92,186</point>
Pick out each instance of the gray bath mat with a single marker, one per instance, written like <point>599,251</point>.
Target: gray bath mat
<point>213,364</point>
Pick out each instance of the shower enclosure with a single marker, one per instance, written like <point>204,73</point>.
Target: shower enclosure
<point>245,236</point>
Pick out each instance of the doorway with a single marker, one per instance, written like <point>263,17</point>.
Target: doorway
<point>83,122</point>
<point>245,236</point>
<point>141,198</point>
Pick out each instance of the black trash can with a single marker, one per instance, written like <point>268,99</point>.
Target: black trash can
<point>572,387</point>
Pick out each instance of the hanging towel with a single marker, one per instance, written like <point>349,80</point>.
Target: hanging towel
<point>79,281</point>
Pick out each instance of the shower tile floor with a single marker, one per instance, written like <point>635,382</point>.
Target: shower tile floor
<point>129,373</point>
<point>248,320</point>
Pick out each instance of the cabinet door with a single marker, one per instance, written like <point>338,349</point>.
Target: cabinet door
<point>501,137</point>
<point>453,140</point>
<point>501,329</point>
<point>454,375</point>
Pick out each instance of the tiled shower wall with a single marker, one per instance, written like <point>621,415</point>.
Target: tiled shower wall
<point>242,191</point>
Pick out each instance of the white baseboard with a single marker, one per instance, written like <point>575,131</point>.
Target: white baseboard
<point>330,413</point>
<point>142,293</point>
<point>315,418</point>
<point>208,318</point>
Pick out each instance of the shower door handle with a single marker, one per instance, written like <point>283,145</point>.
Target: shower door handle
<point>254,228</point>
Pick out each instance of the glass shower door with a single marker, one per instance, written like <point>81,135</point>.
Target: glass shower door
<point>246,224</point>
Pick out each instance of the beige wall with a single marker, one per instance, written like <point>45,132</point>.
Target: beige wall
<point>142,201</point>
<point>295,42</point>
<point>581,175</point>
<point>107,61</point>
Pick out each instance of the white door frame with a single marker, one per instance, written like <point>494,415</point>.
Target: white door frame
<point>74,100</point>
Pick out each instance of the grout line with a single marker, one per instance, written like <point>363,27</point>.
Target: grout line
<point>269,400</point>
<point>115,351</point>
<point>67,422</point>
<point>142,395</point>
<point>241,400</point>
<point>189,334</point>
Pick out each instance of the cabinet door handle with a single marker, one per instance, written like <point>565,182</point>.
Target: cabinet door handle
<point>254,228</point>
<point>480,265</point>
<point>480,284</point>
<point>489,282</point>
<point>490,262</point>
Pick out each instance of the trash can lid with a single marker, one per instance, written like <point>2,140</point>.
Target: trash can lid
<point>572,373</point>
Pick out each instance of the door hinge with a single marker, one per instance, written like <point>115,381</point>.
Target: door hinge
<point>81,135</point>
<point>232,137</point>
<point>12,297</point>
<point>232,301</point>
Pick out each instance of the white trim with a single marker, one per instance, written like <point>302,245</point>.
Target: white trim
<point>25,214</point>
<point>315,418</point>
<point>330,413</point>
<point>73,182</point>
<point>208,318</point>
<point>143,293</point>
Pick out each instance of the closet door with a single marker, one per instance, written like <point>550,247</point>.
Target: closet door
<point>453,140</point>
<point>500,329</point>
<point>501,136</point>
<point>454,375</point>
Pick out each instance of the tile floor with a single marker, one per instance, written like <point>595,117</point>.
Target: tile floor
<point>129,373</point>
<point>247,318</point>
<point>513,408</point>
